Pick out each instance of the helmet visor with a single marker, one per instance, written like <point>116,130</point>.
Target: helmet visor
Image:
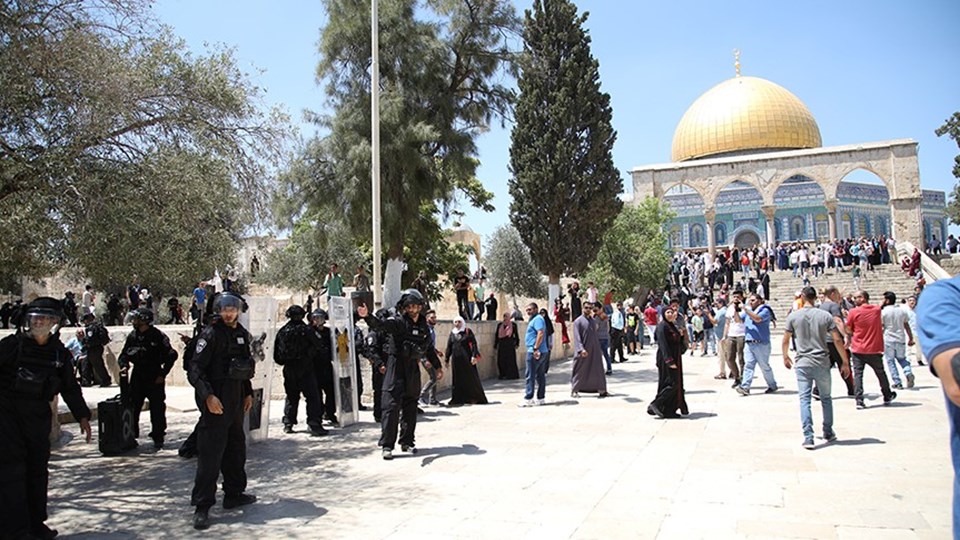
<point>39,324</point>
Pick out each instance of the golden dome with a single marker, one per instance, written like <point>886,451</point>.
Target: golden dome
<point>743,114</point>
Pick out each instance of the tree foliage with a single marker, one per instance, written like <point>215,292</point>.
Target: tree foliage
<point>951,128</point>
<point>511,269</point>
<point>121,152</point>
<point>564,184</point>
<point>442,66</point>
<point>634,249</point>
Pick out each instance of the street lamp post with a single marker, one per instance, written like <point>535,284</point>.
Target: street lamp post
<point>375,147</point>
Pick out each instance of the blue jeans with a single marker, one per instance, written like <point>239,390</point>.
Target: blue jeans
<point>605,349</point>
<point>536,373</point>
<point>896,353</point>
<point>953,414</point>
<point>709,341</point>
<point>753,354</point>
<point>806,376</point>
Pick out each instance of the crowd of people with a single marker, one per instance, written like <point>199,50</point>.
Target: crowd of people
<point>708,307</point>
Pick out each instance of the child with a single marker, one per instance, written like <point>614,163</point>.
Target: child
<point>856,277</point>
<point>697,322</point>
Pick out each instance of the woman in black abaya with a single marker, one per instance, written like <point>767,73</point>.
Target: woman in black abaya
<point>463,352</point>
<point>505,342</point>
<point>670,394</point>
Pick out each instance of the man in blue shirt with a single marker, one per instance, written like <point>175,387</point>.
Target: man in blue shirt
<point>536,341</point>
<point>757,316</point>
<point>938,314</point>
<point>719,322</point>
<point>200,295</point>
<point>617,322</point>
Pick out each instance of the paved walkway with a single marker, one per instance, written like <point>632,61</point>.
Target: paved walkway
<point>575,468</point>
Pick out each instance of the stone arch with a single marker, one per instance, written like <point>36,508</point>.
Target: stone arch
<point>744,184</point>
<point>828,188</point>
<point>695,186</point>
<point>852,169</point>
<point>724,182</point>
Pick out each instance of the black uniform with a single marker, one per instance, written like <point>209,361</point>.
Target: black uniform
<point>293,350</point>
<point>405,343</point>
<point>223,366</point>
<point>25,419</point>
<point>95,338</point>
<point>321,354</point>
<point>70,309</point>
<point>152,358</point>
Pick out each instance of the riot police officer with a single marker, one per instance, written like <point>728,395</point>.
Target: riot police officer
<point>95,338</point>
<point>34,367</point>
<point>220,372</point>
<point>321,353</point>
<point>291,350</point>
<point>407,340</point>
<point>152,356</point>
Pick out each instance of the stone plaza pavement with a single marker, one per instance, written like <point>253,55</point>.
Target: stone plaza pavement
<point>574,468</point>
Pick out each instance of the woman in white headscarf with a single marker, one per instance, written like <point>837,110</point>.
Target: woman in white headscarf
<point>464,353</point>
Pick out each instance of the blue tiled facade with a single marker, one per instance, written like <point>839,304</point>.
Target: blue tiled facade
<point>862,210</point>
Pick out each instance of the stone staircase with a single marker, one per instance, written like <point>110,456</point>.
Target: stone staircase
<point>885,277</point>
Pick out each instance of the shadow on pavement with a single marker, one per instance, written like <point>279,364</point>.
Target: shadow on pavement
<point>433,454</point>
<point>262,513</point>
<point>856,442</point>
<point>560,403</point>
<point>902,404</point>
<point>689,392</point>
<point>699,415</point>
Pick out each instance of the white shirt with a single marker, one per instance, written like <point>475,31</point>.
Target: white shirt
<point>735,325</point>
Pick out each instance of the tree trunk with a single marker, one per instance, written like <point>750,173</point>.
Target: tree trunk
<point>554,292</point>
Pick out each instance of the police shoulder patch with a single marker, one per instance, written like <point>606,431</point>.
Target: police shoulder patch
<point>201,344</point>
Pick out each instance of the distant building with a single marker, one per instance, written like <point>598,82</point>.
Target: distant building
<point>748,168</point>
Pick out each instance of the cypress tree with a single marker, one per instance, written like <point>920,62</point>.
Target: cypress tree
<point>564,185</point>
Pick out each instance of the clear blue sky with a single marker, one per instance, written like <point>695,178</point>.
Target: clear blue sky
<point>867,70</point>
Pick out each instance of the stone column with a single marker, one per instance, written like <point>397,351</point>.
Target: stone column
<point>711,216</point>
<point>906,225</point>
<point>831,206</point>
<point>769,212</point>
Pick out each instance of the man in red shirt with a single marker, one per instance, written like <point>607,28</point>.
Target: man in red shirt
<point>866,344</point>
<point>650,322</point>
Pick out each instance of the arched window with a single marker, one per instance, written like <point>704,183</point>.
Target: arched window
<point>720,233</point>
<point>676,237</point>
<point>797,228</point>
<point>696,235</point>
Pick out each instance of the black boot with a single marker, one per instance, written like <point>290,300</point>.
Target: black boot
<point>201,518</point>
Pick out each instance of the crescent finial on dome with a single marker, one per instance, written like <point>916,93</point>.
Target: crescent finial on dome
<point>736,61</point>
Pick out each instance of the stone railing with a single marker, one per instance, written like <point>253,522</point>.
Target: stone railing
<point>931,270</point>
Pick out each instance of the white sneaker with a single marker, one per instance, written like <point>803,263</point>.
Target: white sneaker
<point>527,403</point>
<point>541,402</point>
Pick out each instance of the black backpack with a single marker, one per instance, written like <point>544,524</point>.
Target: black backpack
<point>289,344</point>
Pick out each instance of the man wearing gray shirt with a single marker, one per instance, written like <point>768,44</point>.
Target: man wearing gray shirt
<point>896,330</point>
<point>831,304</point>
<point>810,327</point>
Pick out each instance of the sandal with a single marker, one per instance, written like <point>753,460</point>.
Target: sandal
<point>720,377</point>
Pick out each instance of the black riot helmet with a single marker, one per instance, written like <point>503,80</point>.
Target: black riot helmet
<point>142,315</point>
<point>42,316</point>
<point>319,315</point>
<point>410,297</point>
<point>229,299</point>
<point>296,313</point>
